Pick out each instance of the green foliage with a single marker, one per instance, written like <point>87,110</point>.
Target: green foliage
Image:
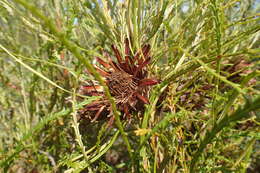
<point>202,117</point>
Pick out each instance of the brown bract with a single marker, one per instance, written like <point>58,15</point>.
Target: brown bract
<point>127,82</point>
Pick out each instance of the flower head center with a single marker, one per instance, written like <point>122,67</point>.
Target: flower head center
<point>121,85</point>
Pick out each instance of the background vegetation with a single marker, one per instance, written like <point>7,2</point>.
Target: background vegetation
<point>203,117</point>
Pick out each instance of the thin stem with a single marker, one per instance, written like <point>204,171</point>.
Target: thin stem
<point>217,29</point>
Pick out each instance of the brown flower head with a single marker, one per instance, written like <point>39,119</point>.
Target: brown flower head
<point>127,81</point>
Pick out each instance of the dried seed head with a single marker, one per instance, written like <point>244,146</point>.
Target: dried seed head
<point>127,81</point>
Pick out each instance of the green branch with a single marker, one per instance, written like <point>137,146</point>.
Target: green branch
<point>225,122</point>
